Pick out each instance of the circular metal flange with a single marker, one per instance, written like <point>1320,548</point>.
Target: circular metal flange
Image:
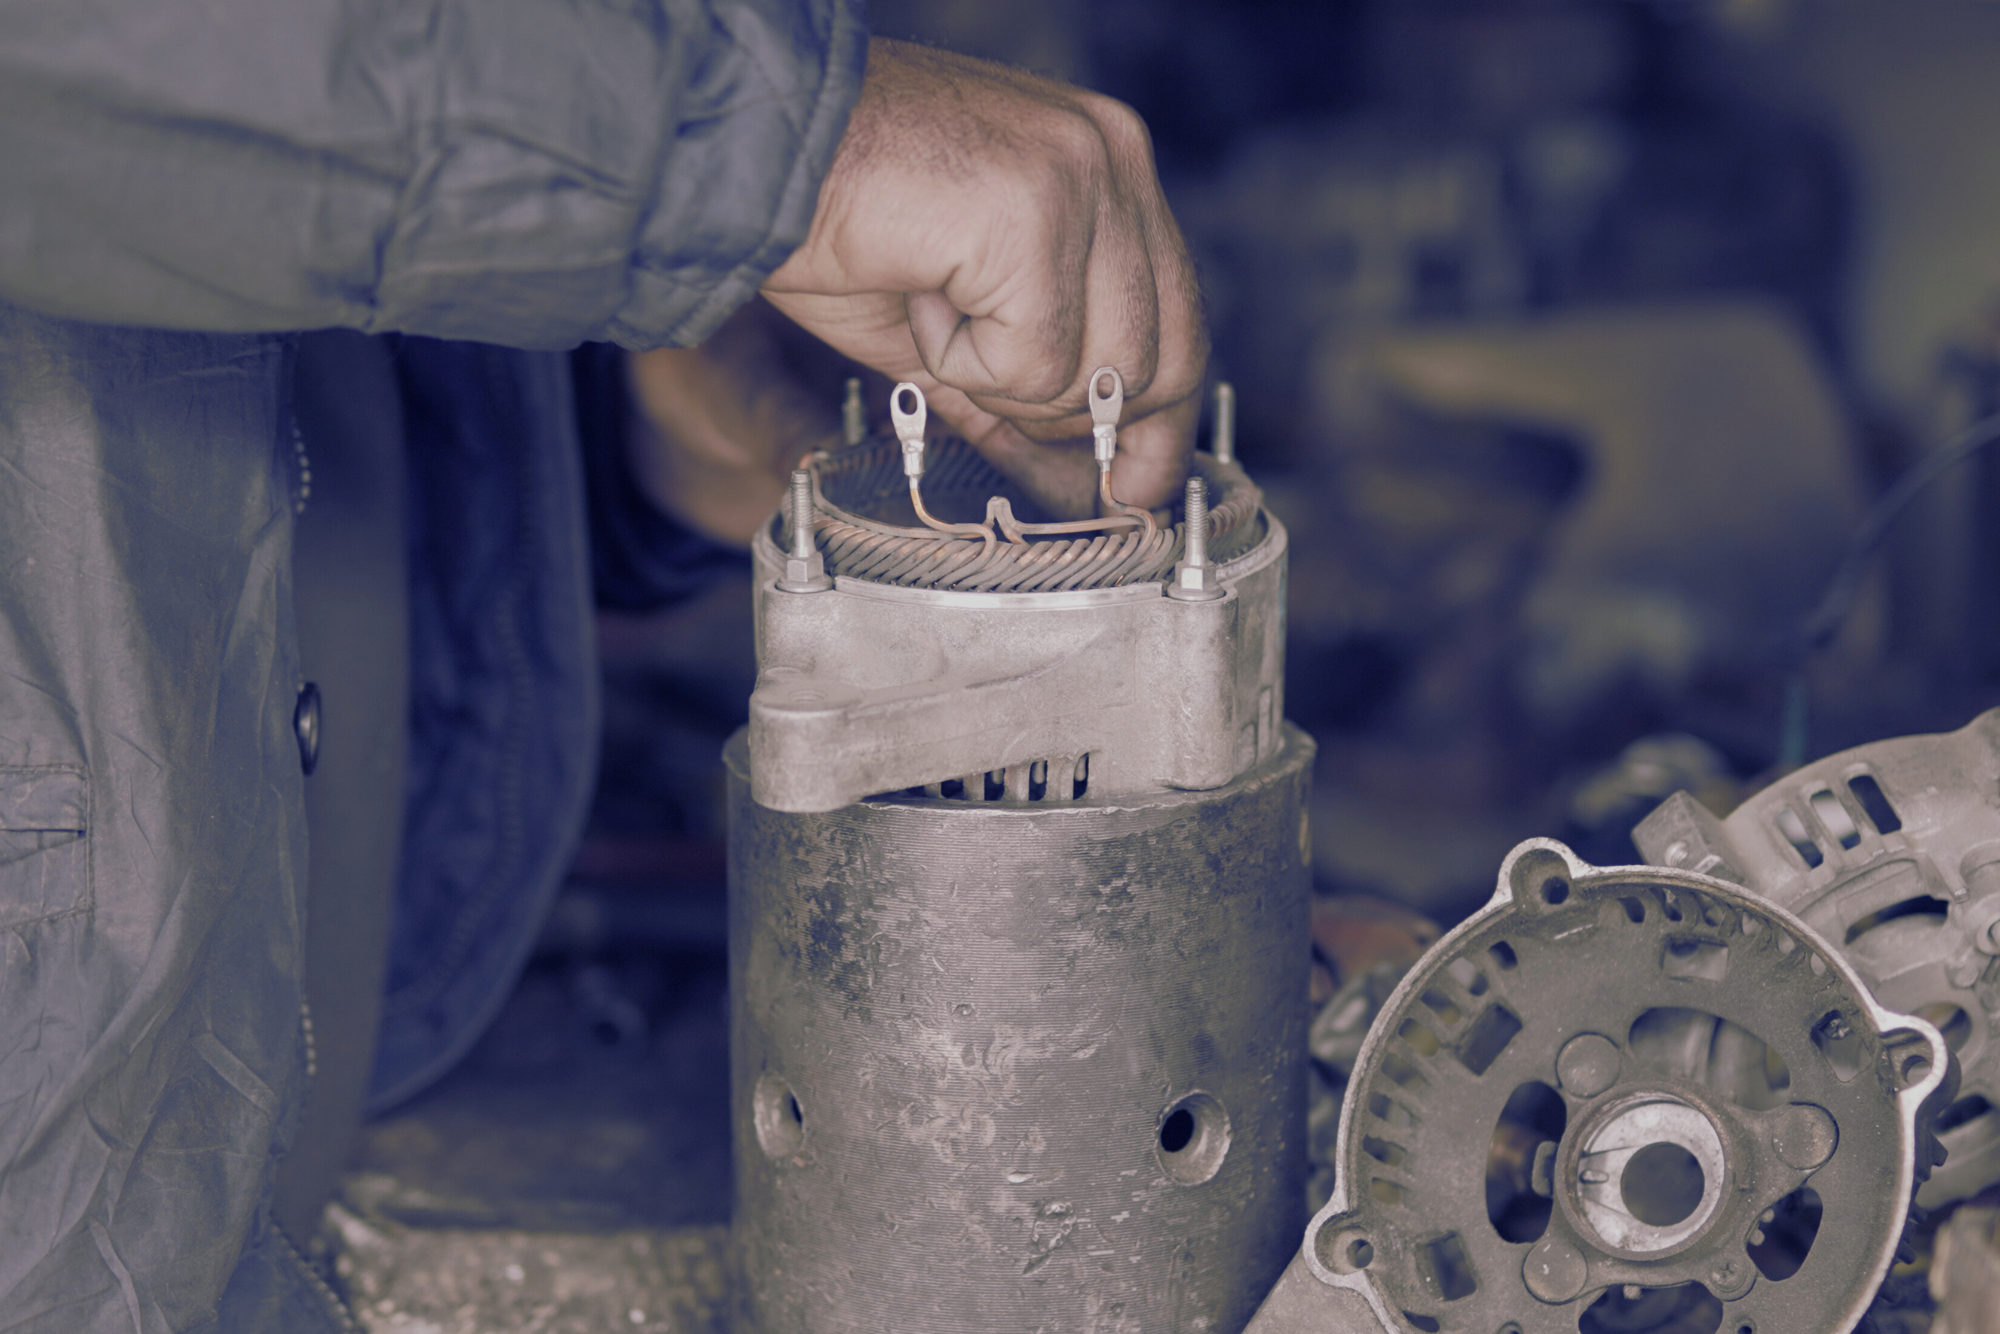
<point>1700,1060</point>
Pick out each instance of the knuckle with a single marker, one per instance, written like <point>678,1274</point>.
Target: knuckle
<point>1121,129</point>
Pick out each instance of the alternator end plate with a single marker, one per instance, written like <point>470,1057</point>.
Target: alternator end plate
<point>1613,1087</point>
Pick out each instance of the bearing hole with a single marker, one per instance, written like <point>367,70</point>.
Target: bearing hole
<point>1193,1139</point>
<point>1555,890</point>
<point>1359,1253</point>
<point>1662,1184</point>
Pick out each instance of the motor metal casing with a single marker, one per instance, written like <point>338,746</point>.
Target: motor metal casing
<point>987,1016</point>
<point>1019,949</point>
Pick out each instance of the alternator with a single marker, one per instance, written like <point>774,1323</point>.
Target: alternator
<point>1610,1094</point>
<point>1018,905</point>
<point>1892,851</point>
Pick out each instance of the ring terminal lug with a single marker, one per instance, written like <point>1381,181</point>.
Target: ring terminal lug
<point>909,425</point>
<point>1105,409</point>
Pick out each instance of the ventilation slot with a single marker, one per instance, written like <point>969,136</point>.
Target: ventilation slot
<point>1833,818</point>
<point>1487,1038</point>
<point>1794,830</point>
<point>1446,1268</point>
<point>1875,803</point>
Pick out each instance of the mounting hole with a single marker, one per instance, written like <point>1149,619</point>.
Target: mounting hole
<point>1540,878</point>
<point>777,1116</point>
<point>1193,1138</point>
<point>1342,1249</point>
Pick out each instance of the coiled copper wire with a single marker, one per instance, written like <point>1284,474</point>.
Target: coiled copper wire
<point>860,548</point>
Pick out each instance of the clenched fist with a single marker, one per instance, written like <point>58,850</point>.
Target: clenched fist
<point>993,237</point>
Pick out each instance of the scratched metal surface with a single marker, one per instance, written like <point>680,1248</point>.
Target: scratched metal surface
<point>985,1012</point>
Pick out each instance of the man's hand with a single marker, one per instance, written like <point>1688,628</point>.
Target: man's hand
<point>994,237</point>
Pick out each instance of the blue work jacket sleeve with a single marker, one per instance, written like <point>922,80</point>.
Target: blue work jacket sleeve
<point>527,172</point>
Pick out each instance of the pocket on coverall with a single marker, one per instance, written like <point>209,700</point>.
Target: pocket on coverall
<point>44,861</point>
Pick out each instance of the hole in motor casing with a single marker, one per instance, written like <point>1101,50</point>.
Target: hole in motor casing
<point>777,1117</point>
<point>1192,1138</point>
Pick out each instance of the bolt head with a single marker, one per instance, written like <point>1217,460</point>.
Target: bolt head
<point>1195,583</point>
<point>805,574</point>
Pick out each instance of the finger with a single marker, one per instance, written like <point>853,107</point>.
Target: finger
<point>1153,455</point>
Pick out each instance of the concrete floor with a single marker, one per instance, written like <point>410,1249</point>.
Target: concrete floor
<point>572,1175</point>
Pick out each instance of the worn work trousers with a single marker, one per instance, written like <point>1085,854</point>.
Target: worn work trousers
<point>153,1045</point>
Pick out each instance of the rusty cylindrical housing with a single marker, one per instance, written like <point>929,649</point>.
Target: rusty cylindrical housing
<point>1011,1066</point>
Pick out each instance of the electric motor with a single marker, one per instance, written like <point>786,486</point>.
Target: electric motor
<point>1018,896</point>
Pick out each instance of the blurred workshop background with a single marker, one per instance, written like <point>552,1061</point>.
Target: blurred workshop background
<point>1572,339</point>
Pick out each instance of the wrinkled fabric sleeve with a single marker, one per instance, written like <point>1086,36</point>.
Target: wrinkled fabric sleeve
<point>533,173</point>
